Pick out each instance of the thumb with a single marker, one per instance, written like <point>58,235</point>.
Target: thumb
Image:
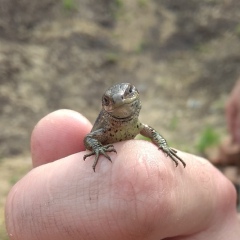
<point>58,135</point>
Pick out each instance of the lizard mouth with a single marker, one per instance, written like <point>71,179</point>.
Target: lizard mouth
<point>125,109</point>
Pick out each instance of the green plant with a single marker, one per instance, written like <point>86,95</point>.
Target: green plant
<point>117,8</point>
<point>119,3</point>
<point>208,138</point>
<point>201,48</point>
<point>141,137</point>
<point>142,3</point>
<point>69,4</point>
<point>173,123</point>
<point>237,30</point>
<point>139,47</point>
<point>112,57</point>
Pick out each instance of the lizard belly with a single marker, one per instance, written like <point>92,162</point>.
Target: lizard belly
<point>125,132</point>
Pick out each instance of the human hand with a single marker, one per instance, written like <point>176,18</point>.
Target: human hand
<point>233,113</point>
<point>140,195</point>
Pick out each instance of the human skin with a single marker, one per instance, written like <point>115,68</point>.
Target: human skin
<point>229,150</point>
<point>233,113</point>
<point>140,195</point>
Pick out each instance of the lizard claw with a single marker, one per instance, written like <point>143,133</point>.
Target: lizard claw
<point>100,150</point>
<point>162,144</point>
<point>172,153</point>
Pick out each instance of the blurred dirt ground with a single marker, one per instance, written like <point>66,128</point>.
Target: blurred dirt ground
<point>183,56</point>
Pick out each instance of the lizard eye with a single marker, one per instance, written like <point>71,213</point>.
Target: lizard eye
<point>132,89</point>
<point>105,101</point>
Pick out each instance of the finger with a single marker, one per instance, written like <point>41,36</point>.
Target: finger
<point>236,133</point>
<point>231,113</point>
<point>140,195</point>
<point>188,199</point>
<point>58,135</point>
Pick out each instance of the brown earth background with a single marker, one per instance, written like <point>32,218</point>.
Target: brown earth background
<point>183,56</point>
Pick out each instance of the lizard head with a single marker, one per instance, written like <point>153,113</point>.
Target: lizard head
<point>122,101</point>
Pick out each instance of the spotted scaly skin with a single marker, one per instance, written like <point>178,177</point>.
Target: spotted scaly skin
<point>118,121</point>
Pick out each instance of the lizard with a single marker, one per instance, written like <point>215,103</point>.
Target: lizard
<point>118,121</point>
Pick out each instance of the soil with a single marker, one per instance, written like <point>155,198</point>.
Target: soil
<point>183,56</point>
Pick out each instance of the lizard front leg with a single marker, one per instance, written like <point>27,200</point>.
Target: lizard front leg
<point>160,141</point>
<point>93,143</point>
